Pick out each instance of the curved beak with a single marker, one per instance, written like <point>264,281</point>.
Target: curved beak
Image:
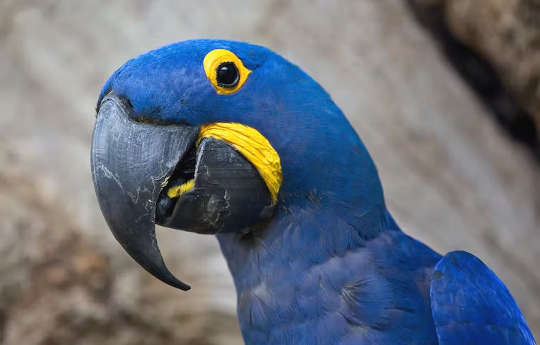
<point>131,163</point>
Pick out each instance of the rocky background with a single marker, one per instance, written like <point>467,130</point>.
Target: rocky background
<point>495,46</point>
<point>453,176</point>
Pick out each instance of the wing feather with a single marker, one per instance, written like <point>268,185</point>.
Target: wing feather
<point>470,305</point>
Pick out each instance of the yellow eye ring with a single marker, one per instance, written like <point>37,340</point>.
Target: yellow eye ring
<point>225,71</point>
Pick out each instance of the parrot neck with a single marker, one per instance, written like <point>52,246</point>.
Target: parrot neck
<point>278,267</point>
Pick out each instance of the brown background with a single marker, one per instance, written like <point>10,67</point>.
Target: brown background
<point>452,178</point>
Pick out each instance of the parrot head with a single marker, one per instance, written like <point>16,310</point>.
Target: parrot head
<point>216,136</point>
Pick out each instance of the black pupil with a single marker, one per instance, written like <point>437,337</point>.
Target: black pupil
<point>227,75</point>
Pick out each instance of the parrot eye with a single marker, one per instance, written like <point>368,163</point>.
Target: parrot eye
<point>225,71</point>
<point>227,75</point>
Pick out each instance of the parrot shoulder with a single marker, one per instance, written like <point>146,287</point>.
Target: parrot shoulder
<point>471,305</point>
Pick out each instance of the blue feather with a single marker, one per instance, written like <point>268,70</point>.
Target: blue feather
<point>470,305</point>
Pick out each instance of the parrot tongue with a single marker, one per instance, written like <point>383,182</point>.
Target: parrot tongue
<point>131,163</point>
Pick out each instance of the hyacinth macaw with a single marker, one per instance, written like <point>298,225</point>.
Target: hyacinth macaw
<point>228,138</point>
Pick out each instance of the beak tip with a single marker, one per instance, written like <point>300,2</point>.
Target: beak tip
<point>184,287</point>
<point>177,284</point>
<point>168,278</point>
<point>155,265</point>
<point>151,260</point>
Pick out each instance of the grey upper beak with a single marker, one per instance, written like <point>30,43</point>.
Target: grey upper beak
<point>131,162</point>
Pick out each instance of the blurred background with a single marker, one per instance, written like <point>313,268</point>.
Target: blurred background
<point>445,94</point>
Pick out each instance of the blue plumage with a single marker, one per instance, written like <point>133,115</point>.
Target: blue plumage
<point>331,266</point>
<point>314,278</point>
<point>472,306</point>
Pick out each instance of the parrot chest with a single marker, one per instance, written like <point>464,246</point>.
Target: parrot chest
<point>353,298</point>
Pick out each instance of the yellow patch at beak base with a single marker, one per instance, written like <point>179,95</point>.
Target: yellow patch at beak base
<point>255,148</point>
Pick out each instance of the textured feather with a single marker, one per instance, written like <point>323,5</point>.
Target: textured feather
<point>313,278</point>
<point>471,305</point>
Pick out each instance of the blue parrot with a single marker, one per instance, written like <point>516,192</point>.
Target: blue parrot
<point>228,138</point>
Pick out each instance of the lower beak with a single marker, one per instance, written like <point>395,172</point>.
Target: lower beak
<point>131,162</point>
